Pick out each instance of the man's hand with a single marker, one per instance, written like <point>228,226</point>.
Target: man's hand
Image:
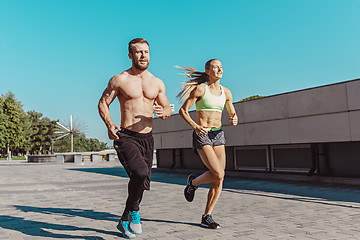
<point>159,111</point>
<point>234,120</point>
<point>111,131</point>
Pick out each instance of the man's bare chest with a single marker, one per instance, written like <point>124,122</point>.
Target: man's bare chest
<point>140,90</point>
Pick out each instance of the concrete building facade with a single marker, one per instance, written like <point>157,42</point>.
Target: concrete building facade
<point>311,131</point>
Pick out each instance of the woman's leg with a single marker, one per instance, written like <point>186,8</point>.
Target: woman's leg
<point>211,161</point>
<point>214,159</point>
<point>216,187</point>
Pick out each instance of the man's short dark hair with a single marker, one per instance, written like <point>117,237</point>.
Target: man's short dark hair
<point>136,40</point>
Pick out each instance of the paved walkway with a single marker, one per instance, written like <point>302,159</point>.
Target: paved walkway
<point>69,201</point>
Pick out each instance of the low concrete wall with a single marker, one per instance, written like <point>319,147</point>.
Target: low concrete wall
<point>41,158</point>
<point>76,157</point>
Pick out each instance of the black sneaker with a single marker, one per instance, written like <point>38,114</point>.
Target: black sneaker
<point>208,222</point>
<point>189,190</point>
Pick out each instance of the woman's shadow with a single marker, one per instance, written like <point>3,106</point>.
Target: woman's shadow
<point>169,221</point>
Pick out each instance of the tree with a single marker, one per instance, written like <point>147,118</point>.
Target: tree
<point>81,144</point>
<point>14,122</point>
<point>84,144</point>
<point>32,133</point>
<point>3,119</point>
<point>251,97</point>
<point>40,133</point>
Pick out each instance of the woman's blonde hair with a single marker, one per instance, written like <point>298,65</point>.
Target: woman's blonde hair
<point>195,78</point>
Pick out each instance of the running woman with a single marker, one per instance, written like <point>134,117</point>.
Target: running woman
<point>204,90</point>
<point>140,95</point>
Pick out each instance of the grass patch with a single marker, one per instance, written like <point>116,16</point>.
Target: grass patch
<point>14,158</point>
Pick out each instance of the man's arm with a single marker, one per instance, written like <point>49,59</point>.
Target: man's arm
<point>162,106</point>
<point>106,99</point>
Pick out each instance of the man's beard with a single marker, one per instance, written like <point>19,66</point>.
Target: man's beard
<point>137,65</point>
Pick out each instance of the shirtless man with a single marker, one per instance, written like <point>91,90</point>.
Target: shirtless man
<point>140,95</point>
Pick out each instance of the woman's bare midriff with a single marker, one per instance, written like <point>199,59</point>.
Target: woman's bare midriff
<point>209,119</point>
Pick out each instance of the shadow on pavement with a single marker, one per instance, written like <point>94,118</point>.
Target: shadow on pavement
<point>305,190</point>
<point>172,178</point>
<point>71,212</point>
<point>43,229</point>
<point>169,221</point>
<point>114,171</point>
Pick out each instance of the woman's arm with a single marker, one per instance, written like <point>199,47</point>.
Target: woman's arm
<point>230,107</point>
<point>195,95</point>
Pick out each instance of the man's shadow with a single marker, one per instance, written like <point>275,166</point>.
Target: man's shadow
<point>43,229</point>
<point>104,216</point>
<point>71,212</point>
<point>37,228</point>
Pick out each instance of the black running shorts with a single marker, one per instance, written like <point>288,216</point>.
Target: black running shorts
<point>135,150</point>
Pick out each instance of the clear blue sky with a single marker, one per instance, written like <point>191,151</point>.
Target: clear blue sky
<point>57,56</point>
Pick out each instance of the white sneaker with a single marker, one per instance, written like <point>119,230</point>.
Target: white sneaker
<point>135,225</point>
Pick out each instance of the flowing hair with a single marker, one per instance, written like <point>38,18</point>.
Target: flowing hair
<point>195,78</point>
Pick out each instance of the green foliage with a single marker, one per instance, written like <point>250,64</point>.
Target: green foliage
<point>62,145</point>
<point>32,133</point>
<point>3,119</point>
<point>39,133</point>
<point>15,158</point>
<point>81,144</point>
<point>14,121</point>
<point>251,97</point>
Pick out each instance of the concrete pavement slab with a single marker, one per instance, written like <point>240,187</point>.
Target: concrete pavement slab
<point>85,201</point>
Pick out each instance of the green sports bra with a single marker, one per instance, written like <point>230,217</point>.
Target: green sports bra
<point>210,102</point>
